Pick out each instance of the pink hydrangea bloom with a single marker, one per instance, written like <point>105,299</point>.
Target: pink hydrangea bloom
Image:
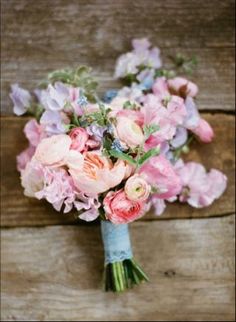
<point>200,188</point>
<point>161,175</point>
<point>58,188</point>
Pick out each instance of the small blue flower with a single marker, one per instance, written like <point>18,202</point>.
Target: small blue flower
<point>116,145</point>
<point>109,95</point>
<point>82,101</point>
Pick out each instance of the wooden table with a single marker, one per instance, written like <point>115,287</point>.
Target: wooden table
<point>52,263</point>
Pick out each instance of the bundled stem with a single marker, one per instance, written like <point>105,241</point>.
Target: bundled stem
<point>119,276</point>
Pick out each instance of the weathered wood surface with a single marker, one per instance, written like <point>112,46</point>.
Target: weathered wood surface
<point>54,273</point>
<point>24,211</point>
<point>40,36</point>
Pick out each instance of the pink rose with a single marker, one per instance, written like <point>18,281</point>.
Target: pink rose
<point>160,174</point>
<point>53,150</point>
<point>204,131</point>
<point>120,210</point>
<point>79,137</point>
<point>182,87</point>
<point>97,174</point>
<point>129,132</point>
<point>137,189</point>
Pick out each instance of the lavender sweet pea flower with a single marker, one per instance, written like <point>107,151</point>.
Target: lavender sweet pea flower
<point>21,99</point>
<point>180,137</point>
<point>96,131</point>
<point>53,122</point>
<point>192,118</point>
<point>57,96</point>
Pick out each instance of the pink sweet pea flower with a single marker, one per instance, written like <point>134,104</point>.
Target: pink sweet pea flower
<point>204,131</point>
<point>79,137</point>
<point>120,210</point>
<point>34,132</point>
<point>200,188</point>
<point>160,174</point>
<point>24,157</point>
<point>182,87</point>
<point>160,88</point>
<point>97,174</point>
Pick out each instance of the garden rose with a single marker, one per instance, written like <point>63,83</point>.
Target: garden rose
<point>129,132</point>
<point>79,137</point>
<point>137,189</point>
<point>120,210</point>
<point>97,174</point>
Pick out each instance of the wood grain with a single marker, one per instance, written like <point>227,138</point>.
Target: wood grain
<point>40,36</point>
<point>54,273</point>
<point>18,210</point>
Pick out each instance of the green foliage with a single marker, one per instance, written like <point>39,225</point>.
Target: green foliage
<point>149,154</point>
<point>186,64</point>
<point>150,129</point>
<point>123,156</point>
<point>79,77</point>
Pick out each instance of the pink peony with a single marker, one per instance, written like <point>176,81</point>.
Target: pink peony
<point>137,189</point>
<point>204,131</point>
<point>79,137</point>
<point>200,188</point>
<point>97,174</point>
<point>182,87</point>
<point>160,174</point>
<point>120,210</point>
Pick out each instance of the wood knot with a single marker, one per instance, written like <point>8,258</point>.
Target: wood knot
<point>170,273</point>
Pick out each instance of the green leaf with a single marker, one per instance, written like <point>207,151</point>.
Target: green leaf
<point>149,154</point>
<point>150,129</point>
<point>123,156</point>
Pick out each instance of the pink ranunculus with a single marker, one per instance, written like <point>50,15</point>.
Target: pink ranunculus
<point>34,132</point>
<point>137,189</point>
<point>204,131</point>
<point>200,188</point>
<point>79,137</point>
<point>53,150</point>
<point>97,174</point>
<point>182,87</point>
<point>161,175</point>
<point>24,157</point>
<point>120,210</point>
<point>129,132</point>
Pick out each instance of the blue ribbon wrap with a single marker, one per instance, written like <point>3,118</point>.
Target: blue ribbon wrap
<point>116,242</point>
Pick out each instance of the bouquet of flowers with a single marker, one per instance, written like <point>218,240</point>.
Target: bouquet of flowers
<point>115,158</point>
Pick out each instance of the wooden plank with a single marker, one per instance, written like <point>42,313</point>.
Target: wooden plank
<point>40,36</point>
<point>54,273</point>
<point>18,210</point>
